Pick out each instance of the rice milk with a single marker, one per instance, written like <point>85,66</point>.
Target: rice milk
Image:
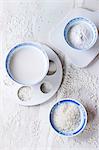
<point>28,65</point>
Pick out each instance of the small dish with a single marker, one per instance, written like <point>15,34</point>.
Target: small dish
<point>80,35</point>
<point>28,94</point>
<point>83,117</point>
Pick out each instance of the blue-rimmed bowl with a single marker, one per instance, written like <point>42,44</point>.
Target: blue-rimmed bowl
<point>18,48</point>
<point>90,25</point>
<point>83,115</point>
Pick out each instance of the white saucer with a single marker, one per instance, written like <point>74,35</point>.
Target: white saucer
<point>56,38</point>
<point>54,80</point>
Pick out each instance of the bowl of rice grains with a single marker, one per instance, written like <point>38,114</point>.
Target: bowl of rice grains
<point>68,117</point>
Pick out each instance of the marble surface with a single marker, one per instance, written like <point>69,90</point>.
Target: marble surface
<point>28,128</point>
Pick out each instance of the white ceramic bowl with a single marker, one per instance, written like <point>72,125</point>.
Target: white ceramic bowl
<point>26,46</point>
<point>83,115</point>
<point>87,22</point>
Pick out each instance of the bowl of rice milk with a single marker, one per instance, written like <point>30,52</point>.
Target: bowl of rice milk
<point>27,63</point>
<point>68,117</point>
<point>80,33</point>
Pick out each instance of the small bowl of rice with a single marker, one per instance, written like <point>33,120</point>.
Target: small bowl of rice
<point>68,117</point>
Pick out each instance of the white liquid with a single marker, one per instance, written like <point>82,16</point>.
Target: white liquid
<point>28,65</point>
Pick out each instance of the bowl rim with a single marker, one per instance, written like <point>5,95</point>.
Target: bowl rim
<point>93,26</point>
<point>84,117</point>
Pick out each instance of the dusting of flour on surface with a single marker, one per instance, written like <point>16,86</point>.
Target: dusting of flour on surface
<point>20,127</point>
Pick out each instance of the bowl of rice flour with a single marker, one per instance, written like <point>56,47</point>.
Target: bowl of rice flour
<point>80,33</point>
<point>68,117</point>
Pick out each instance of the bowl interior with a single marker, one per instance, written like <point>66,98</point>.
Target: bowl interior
<point>83,116</point>
<point>89,24</point>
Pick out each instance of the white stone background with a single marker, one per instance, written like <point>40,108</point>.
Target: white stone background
<point>27,128</point>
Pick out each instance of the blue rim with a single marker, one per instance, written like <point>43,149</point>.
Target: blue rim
<point>66,30</point>
<point>69,134</point>
<point>11,53</point>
